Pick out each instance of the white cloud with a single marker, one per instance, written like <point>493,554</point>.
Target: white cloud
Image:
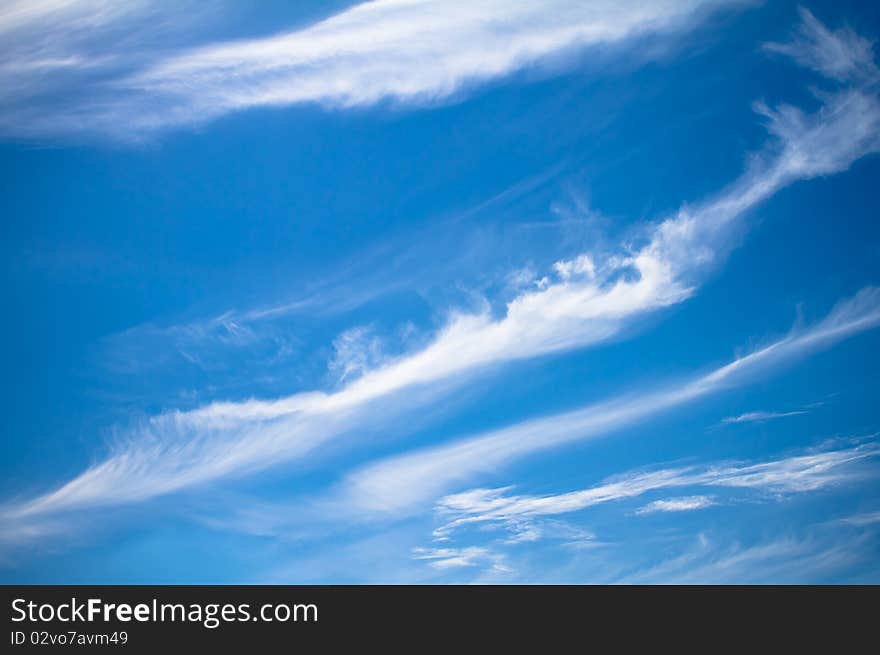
<point>410,51</point>
<point>390,49</point>
<point>406,481</point>
<point>56,55</point>
<point>355,352</point>
<point>177,450</point>
<point>752,417</point>
<point>453,558</point>
<point>797,473</point>
<point>840,55</point>
<point>862,520</point>
<point>786,560</point>
<point>585,303</point>
<point>582,265</point>
<point>683,504</point>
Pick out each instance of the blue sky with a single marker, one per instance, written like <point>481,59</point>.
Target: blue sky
<point>432,292</point>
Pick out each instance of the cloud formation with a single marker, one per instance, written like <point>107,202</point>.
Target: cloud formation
<point>448,558</point>
<point>790,475</point>
<point>752,417</point>
<point>397,50</point>
<point>56,56</point>
<point>683,504</point>
<point>405,482</point>
<point>840,55</point>
<point>579,303</point>
<point>786,560</point>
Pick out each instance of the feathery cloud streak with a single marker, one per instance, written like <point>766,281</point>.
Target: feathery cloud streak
<point>585,303</point>
<point>685,504</point>
<point>405,482</point>
<point>446,558</point>
<point>752,417</point>
<point>840,55</point>
<point>401,50</point>
<point>56,55</point>
<point>394,49</point>
<point>808,559</point>
<point>790,475</point>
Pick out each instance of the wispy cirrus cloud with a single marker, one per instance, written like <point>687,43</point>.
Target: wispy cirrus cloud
<point>397,50</point>
<point>391,49</point>
<point>760,416</point>
<point>683,504</point>
<point>476,516</point>
<point>57,56</point>
<point>791,560</point>
<point>181,449</point>
<point>45,35</point>
<point>840,54</point>
<point>405,482</point>
<point>860,520</point>
<point>581,302</point>
<point>449,558</point>
<point>796,473</point>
